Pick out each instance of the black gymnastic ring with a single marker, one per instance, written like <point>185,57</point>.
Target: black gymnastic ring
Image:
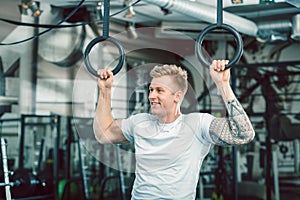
<point>93,43</point>
<point>237,36</point>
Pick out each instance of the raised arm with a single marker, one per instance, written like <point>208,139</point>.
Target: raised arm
<point>106,128</point>
<point>236,128</point>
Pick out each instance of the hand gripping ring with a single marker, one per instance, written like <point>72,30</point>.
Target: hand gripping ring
<point>93,43</point>
<point>239,41</point>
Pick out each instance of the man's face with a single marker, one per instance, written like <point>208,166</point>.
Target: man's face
<point>162,96</point>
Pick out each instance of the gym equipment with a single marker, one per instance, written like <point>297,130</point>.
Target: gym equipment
<point>81,182</point>
<point>219,25</point>
<point>5,169</point>
<point>121,175</point>
<point>69,189</point>
<point>26,184</point>
<point>47,178</point>
<point>82,171</point>
<point>105,37</point>
<point>23,183</point>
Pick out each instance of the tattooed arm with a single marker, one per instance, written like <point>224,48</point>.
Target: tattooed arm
<point>236,128</point>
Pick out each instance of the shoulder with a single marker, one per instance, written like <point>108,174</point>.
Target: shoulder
<point>141,117</point>
<point>198,115</point>
<point>198,120</point>
<point>200,123</point>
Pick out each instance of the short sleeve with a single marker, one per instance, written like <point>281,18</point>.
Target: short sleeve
<point>204,124</point>
<point>141,121</point>
<point>127,127</point>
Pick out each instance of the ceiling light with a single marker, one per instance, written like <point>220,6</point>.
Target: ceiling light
<point>130,12</point>
<point>33,6</point>
<point>131,31</point>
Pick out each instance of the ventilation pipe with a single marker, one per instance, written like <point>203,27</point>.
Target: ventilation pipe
<point>207,13</point>
<point>274,31</point>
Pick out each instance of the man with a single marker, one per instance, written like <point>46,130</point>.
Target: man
<point>170,146</point>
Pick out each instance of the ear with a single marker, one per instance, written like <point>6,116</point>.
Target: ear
<point>178,96</point>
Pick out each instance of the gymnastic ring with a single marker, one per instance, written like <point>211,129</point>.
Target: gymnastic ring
<point>93,43</point>
<point>237,36</point>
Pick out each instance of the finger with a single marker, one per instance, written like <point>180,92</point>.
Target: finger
<point>213,65</point>
<point>102,74</point>
<point>216,65</point>
<point>109,72</point>
<point>105,73</point>
<point>219,65</point>
<point>223,64</point>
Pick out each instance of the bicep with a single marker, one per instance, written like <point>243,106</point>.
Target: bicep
<point>113,134</point>
<point>224,131</point>
<point>219,131</point>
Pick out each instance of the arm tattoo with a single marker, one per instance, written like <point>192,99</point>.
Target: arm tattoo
<point>234,129</point>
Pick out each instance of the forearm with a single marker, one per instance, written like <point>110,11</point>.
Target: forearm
<point>226,92</point>
<point>103,118</point>
<point>236,128</point>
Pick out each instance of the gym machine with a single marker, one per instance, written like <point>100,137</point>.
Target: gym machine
<point>6,183</point>
<point>31,178</point>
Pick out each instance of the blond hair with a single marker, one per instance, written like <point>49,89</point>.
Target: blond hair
<point>178,73</point>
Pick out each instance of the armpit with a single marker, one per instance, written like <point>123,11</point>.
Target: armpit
<point>232,130</point>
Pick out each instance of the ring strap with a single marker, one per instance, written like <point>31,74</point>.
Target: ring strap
<point>219,25</point>
<point>105,37</point>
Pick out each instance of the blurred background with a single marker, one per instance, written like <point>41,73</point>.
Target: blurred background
<point>47,96</point>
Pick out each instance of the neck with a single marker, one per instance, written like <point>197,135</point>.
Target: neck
<point>169,118</point>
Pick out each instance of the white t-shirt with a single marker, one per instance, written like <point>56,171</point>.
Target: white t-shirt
<point>168,156</point>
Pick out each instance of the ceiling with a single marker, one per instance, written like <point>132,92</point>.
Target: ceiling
<point>262,21</point>
<point>268,21</point>
<point>8,10</point>
<point>270,16</point>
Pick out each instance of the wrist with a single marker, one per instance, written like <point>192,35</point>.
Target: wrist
<point>104,93</point>
<point>226,91</point>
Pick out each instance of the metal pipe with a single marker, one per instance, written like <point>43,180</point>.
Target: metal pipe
<point>121,175</point>
<point>296,28</point>
<point>82,167</point>
<point>27,70</point>
<point>5,169</point>
<point>235,149</point>
<point>278,25</point>
<point>268,13</point>
<point>34,66</point>
<point>273,31</point>
<point>207,13</point>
